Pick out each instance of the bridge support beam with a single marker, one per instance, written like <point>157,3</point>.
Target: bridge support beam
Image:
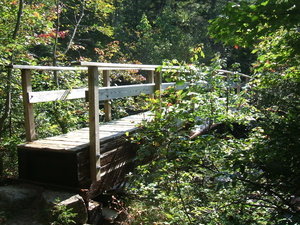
<point>93,79</point>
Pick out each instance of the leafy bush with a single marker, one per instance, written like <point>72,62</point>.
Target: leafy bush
<point>62,215</point>
<point>217,177</point>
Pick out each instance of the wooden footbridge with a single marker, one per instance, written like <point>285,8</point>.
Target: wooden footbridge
<point>94,154</point>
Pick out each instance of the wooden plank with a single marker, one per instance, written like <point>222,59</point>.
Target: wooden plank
<point>49,147</point>
<point>125,91</point>
<point>93,80</point>
<point>107,93</point>
<point>47,96</point>
<point>28,67</point>
<point>56,144</point>
<point>173,84</point>
<point>71,142</point>
<point>80,138</point>
<point>28,107</point>
<point>111,66</point>
<point>120,65</point>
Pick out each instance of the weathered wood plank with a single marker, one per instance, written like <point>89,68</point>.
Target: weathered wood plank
<point>173,84</point>
<point>80,137</point>
<point>119,65</point>
<point>28,67</point>
<point>47,96</point>
<point>105,93</point>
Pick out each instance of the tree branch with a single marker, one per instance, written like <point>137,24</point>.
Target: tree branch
<point>17,27</point>
<point>75,28</point>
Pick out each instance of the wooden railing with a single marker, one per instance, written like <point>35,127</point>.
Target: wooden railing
<point>93,94</point>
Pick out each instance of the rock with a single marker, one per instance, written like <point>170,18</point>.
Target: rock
<point>109,214</point>
<point>16,197</point>
<point>95,212</point>
<point>69,200</point>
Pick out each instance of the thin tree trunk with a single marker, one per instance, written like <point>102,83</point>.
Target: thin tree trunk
<point>55,44</point>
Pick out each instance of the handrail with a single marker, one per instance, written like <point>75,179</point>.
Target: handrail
<point>57,68</point>
<point>112,66</point>
<point>93,94</point>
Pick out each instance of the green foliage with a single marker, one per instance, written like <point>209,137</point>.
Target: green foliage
<point>198,180</point>
<point>244,22</point>
<point>272,26</point>
<point>62,215</point>
<point>157,30</point>
<point>219,178</point>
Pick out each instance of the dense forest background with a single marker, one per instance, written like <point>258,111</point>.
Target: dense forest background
<point>213,178</point>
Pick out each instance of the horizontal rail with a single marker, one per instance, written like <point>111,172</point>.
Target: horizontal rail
<point>105,93</point>
<point>113,66</point>
<point>28,67</point>
<point>230,72</point>
<point>48,96</point>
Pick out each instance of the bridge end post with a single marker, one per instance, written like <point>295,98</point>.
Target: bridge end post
<point>28,107</point>
<point>93,80</point>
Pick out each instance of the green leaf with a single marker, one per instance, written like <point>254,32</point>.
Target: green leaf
<point>180,82</point>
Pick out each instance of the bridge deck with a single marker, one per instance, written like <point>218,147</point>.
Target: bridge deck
<point>78,139</point>
<point>64,159</point>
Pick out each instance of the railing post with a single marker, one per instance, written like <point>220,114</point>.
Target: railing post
<point>158,82</point>
<point>151,80</point>
<point>28,107</point>
<point>228,90</point>
<point>238,87</point>
<point>107,105</point>
<point>93,80</point>
<point>158,87</point>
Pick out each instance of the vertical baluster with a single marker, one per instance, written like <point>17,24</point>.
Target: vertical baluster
<point>158,82</point>
<point>158,88</point>
<point>151,81</point>
<point>107,105</point>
